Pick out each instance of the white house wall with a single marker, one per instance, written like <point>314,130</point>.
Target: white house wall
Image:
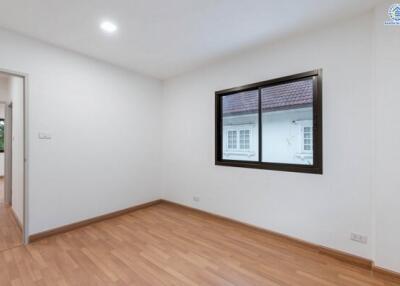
<point>281,136</point>
<point>282,139</point>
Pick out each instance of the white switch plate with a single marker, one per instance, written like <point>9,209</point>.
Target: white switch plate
<point>44,135</point>
<point>359,238</point>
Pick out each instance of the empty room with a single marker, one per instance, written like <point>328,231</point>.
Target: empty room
<point>199,142</point>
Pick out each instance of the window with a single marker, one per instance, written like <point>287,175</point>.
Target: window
<point>275,124</point>
<point>1,135</point>
<point>307,137</point>
<point>239,135</point>
<point>239,142</point>
<point>245,139</point>
<point>232,145</point>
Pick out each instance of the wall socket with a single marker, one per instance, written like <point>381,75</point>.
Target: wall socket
<point>359,238</point>
<point>44,135</point>
<point>196,199</point>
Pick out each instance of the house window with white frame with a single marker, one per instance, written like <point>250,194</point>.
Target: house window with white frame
<point>239,141</point>
<point>244,139</point>
<point>306,136</point>
<point>238,138</point>
<point>232,139</point>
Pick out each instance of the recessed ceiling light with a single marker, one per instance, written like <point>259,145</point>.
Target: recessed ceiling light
<point>108,26</point>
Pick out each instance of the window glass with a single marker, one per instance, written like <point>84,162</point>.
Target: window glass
<point>274,124</point>
<point>240,126</point>
<point>287,120</point>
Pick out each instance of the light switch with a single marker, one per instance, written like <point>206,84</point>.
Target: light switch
<point>44,135</point>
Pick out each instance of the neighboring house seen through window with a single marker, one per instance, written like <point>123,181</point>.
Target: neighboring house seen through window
<point>275,124</point>
<point>239,141</point>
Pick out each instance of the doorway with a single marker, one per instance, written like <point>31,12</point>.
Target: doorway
<point>12,162</point>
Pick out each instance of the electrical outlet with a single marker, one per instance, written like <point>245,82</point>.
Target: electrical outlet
<point>196,199</point>
<point>359,238</point>
<point>44,135</point>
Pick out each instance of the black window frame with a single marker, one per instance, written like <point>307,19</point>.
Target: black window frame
<point>316,167</point>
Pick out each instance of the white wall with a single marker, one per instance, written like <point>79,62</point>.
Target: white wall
<point>17,180</point>
<point>1,164</point>
<point>4,88</point>
<point>2,110</point>
<point>4,97</point>
<point>321,209</point>
<point>387,179</point>
<point>105,126</point>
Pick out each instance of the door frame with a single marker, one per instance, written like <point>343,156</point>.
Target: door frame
<point>25,218</point>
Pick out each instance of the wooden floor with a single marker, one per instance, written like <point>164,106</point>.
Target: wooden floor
<point>10,233</point>
<point>1,190</point>
<point>168,245</point>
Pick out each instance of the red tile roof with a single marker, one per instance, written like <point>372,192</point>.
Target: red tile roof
<point>283,96</point>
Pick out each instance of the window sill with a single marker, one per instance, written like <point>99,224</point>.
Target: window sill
<point>304,156</point>
<point>311,169</point>
<point>238,153</point>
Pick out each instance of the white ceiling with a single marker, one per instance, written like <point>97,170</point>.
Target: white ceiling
<point>163,38</point>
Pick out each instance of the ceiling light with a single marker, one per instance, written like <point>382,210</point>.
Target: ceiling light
<point>108,27</point>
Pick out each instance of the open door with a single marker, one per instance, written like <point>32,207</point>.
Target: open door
<point>8,155</point>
